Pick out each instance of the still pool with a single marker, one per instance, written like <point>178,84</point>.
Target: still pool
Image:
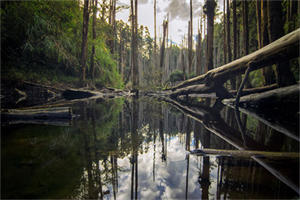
<point>138,149</point>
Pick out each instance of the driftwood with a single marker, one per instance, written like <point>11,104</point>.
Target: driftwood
<point>54,116</point>
<point>244,153</point>
<point>284,48</point>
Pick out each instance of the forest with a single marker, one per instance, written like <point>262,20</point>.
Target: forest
<point>82,43</point>
<point>148,99</point>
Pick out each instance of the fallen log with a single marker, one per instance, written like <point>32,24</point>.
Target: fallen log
<point>271,99</point>
<point>284,48</point>
<point>46,115</point>
<point>244,153</point>
<point>255,90</point>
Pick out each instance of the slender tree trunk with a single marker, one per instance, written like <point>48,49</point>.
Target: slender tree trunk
<point>235,39</point>
<point>94,38</point>
<point>268,72</point>
<point>232,80</point>
<point>224,33</point>
<point>103,10</point>
<point>210,6</point>
<point>245,28</point>
<point>162,51</point>
<point>84,40</point>
<point>246,34</point>
<point>234,23</point>
<point>134,46</point>
<point>275,29</point>
<point>155,36</point>
<point>191,37</point>
<point>198,67</point>
<point>258,22</point>
<point>182,62</point>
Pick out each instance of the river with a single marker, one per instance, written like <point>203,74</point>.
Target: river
<point>138,149</point>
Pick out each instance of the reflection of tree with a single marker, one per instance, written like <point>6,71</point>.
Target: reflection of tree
<point>187,147</point>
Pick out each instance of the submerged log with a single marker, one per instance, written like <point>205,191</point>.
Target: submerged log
<point>284,48</point>
<point>244,153</point>
<point>58,115</point>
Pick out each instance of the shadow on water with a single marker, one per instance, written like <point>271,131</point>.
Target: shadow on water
<point>137,149</point>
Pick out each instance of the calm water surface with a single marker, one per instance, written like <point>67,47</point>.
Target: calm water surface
<point>125,148</point>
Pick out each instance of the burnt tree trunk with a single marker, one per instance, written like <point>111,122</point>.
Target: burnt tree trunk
<point>210,12</point>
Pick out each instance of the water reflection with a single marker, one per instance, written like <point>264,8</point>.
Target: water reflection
<point>137,149</point>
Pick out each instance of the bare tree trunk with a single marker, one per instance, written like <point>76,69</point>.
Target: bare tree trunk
<point>84,40</point>
<point>198,67</point>
<point>162,51</point>
<point>258,23</point>
<point>134,46</point>
<point>235,40</point>
<point>155,36</point>
<point>224,34</point>
<point>245,28</point>
<point>268,72</point>
<point>94,38</point>
<point>232,80</point>
<point>275,29</point>
<point>210,12</point>
<point>190,38</point>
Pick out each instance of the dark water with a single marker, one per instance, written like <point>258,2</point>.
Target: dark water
<point>125,149</point>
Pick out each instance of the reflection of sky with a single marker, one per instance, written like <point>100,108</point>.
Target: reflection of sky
<point>170,176</point>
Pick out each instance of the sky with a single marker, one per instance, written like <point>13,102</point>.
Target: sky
<point>179,15</point>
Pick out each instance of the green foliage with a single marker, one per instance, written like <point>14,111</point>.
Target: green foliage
<point>176,76</point>
<point>44,37</point>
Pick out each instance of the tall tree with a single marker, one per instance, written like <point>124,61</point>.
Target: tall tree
<point>234,24</point>
<point>155,36</point>
<point>190,36</point>
<point>268,72</point>
<point>162,51</point>
<point>232,80</point>
<point>94,38</point>
<point>209,9</point>
<point>84,40</point>
<point>258,22</point>
<point>198,67</point>
<point>134,46</point>
<point>224,33</point>
<point>275,31</point>
<point>235,39</point>
<point>245,28</point>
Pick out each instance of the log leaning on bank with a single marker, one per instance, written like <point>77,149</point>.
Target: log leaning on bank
<point>284,48</point>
